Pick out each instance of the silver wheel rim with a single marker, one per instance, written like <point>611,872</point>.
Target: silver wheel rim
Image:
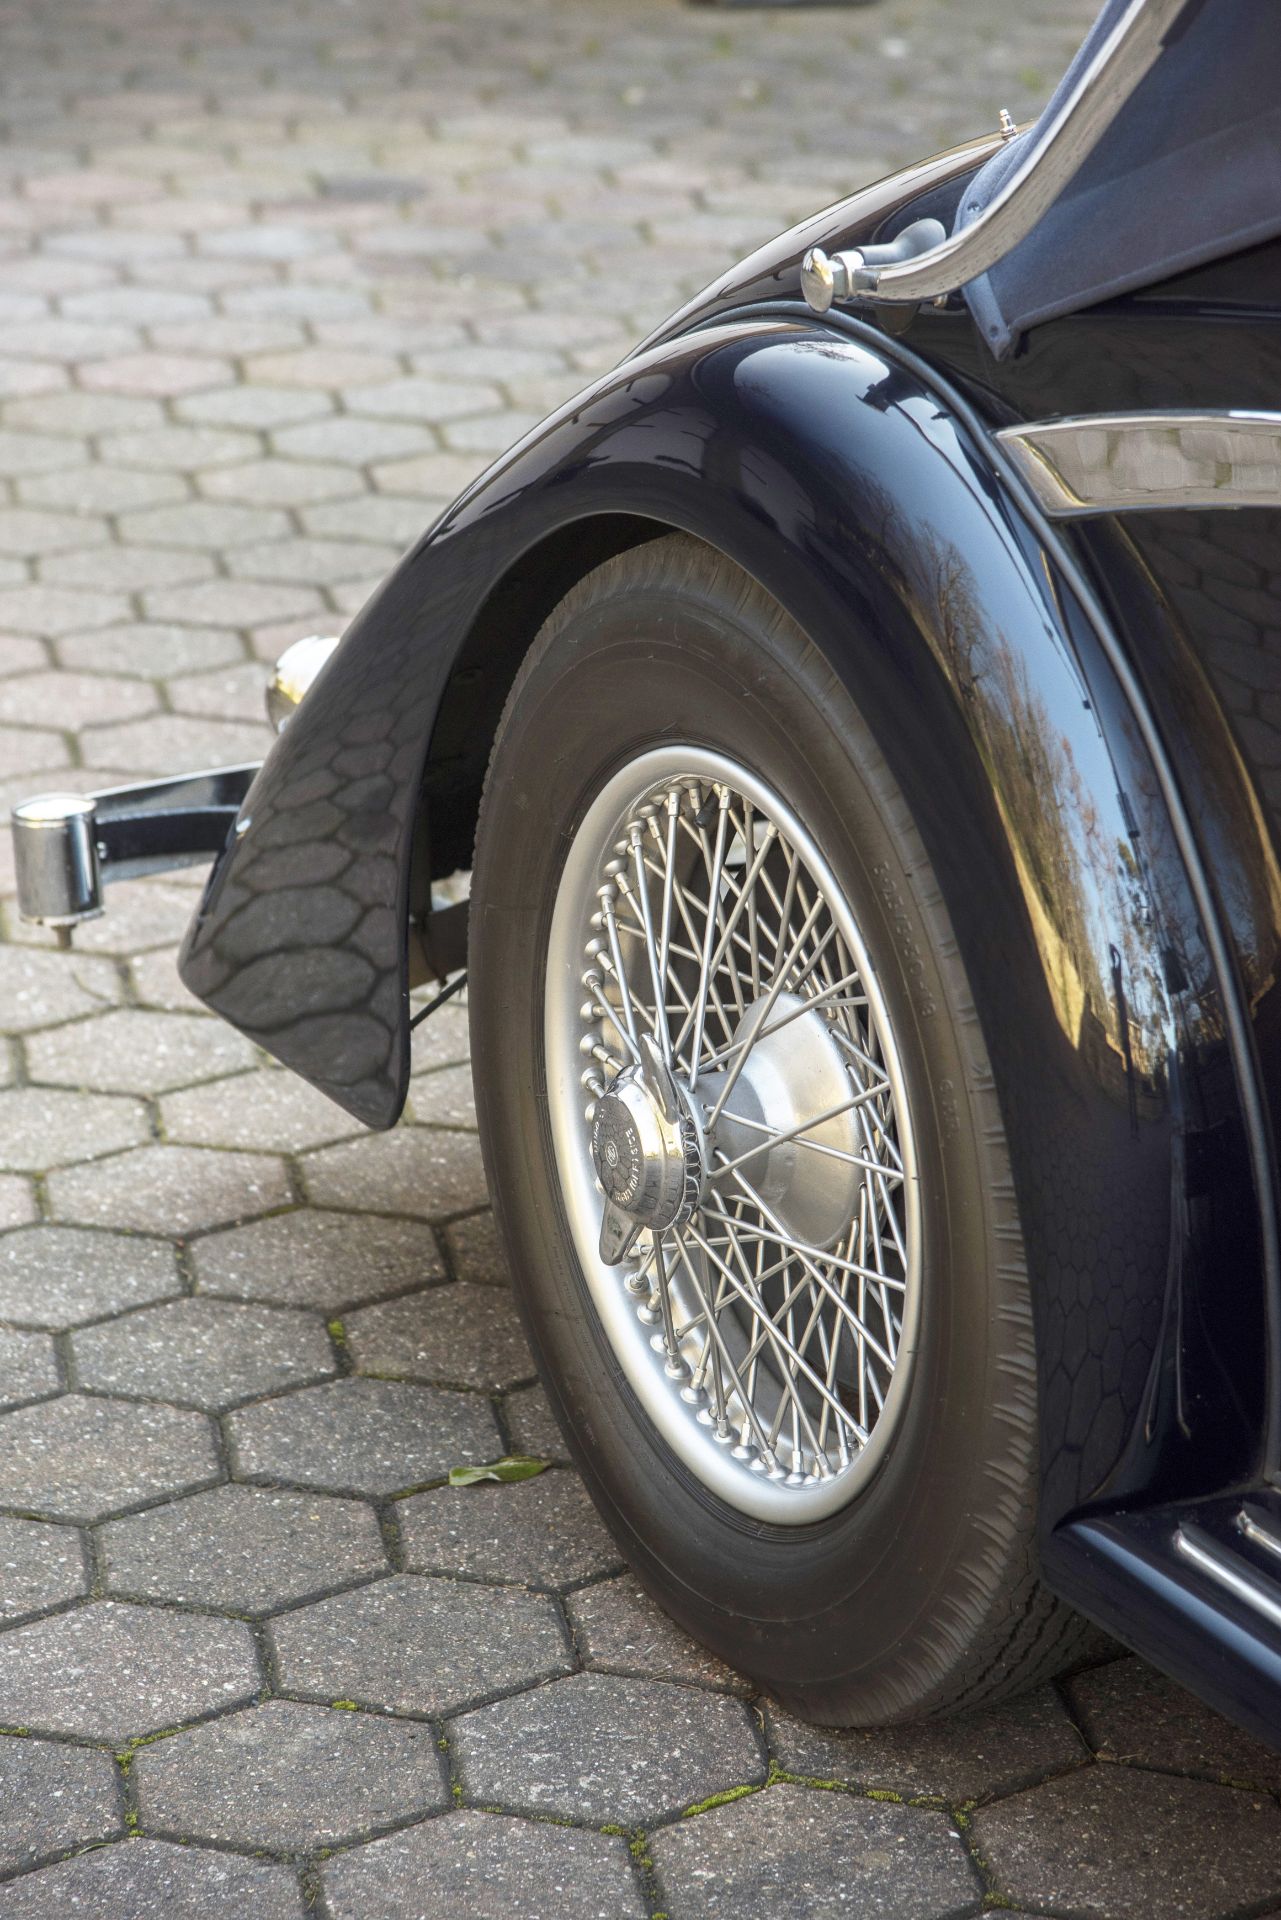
<point>735,1152</point>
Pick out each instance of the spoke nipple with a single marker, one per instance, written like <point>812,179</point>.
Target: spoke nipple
<point>589,1112</point>
<point>613,868</point>
<point>589,1043</point>
<point>594,947</point>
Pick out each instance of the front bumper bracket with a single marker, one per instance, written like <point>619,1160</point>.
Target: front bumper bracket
<point>67,846</point>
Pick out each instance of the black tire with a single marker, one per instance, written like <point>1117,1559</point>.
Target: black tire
<point>922,1595</point>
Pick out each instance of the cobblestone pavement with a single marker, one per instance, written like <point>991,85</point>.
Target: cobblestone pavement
<point>276,278</point>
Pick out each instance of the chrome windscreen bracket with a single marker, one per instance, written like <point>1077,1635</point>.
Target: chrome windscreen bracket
<point>1063,142</point>
<point>843,276</point>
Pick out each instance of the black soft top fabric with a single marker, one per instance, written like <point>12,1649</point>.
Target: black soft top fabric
<point>1190,171</point>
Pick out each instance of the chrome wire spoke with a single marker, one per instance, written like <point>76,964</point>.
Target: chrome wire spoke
<point>741,1068</point>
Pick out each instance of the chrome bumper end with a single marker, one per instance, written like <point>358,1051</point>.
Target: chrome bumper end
<point>67,846</point>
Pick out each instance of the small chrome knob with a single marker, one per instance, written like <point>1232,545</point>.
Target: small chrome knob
<point>818,282</point>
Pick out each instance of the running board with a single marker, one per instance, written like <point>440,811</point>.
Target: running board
<point>1195,1587</point>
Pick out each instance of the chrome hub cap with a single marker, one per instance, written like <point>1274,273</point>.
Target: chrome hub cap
<point>646,1152</point>
<point>732,1134</point>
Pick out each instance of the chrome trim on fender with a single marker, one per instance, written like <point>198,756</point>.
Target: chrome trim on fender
<point>1098,96</point>
<point>1131,462</point>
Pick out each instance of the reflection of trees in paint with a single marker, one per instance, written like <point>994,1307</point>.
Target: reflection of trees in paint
<point>1080,865</point>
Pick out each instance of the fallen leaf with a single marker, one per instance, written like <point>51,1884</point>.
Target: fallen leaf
<point>514,1466</point>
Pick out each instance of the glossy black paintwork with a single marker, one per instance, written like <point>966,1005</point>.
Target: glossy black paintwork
<point>1124,1568</point>
<point>837,478</point>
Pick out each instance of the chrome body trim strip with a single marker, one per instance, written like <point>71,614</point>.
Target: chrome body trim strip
<point>1132,462</point>
<point>1203,1551</point>
<point>1259,1529</point>
<point>1084,116</point>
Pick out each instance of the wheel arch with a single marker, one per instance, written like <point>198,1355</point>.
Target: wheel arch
<point>485,666</point>
<point>833,471</point>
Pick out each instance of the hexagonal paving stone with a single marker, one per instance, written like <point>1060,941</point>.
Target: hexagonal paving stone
<point>106,1671</point>
<point>412,1170</point>
<point>278,483</point>
<point>149,647</point>
<point>793,1850</point>
<point>487,1866</point>
<point>543,1532</point>
<point>60,1276</point>
<point>289,1776</point>
<point>203,1353</point>
<point>444,1099</point>
<point>31,753</point>
<point>40,1566</point>
<point>361,1436</point>
<point>54,610</point>
<point>142,913</point>
<point>76,699</point>
<point>1126,1845</point>
<point>235,693</point>
<point>438,1042</point>
<point>457,1333</point>
<point>312,1259</point>
<point>972,1756</point>
<point>231,603</point>
<point>200,524</point>
<point>17,1201</point>
<point>40,988</point>
<point>419,1646</point>
<point>244,1549</point>
<point>598,1748</point>
<point>474,1252</point>
<point>617,1626</point>
<point>170,1189</point>
<point>130,1051</point>
<point>28,1367</point>
<point>140,1877</point>
<point>81,1458</point>
<point>1129,1711</point>
<point>532,1424</point>
<point>266,1109</point>
<point>41,1127</point>
<point>52,1798</point>
<point>156,984</point>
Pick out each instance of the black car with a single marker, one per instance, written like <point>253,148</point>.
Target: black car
<point>860,714</point>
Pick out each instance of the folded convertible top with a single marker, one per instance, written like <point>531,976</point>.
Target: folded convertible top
<point>1190,170</point>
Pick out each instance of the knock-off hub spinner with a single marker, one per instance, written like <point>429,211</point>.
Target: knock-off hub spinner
<point>646,1151</point>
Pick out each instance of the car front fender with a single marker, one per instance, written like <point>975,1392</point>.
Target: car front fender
<point>834,474</point>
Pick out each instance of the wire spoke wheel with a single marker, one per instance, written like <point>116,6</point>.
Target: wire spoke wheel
<point>732,1134</point>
